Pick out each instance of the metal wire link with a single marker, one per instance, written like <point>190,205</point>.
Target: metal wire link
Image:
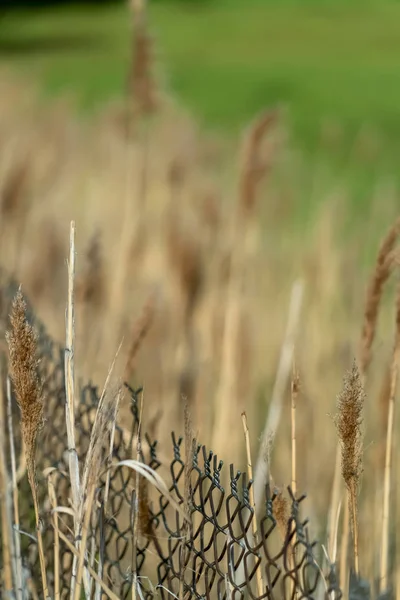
<point>215,556</point>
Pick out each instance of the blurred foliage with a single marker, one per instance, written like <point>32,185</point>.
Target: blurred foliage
<point>18,4</point>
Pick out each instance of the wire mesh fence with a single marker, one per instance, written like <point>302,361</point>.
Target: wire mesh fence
<point>136,536</point>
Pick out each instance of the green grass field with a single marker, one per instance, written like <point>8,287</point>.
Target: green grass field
<point>334,65</point>
<point>227,60</point>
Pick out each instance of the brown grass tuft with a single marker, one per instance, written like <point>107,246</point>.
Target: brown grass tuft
<point>348,422</point>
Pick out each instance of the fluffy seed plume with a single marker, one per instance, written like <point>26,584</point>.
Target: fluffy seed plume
<point>348,422</point>
<point>22,344</point>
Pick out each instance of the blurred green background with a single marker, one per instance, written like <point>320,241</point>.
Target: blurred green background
<point>334,65</point>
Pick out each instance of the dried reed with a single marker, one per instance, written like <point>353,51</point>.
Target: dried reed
<point>254,165</point>
<point>70,399</point>
<point>295,392</point>
<point>282,376</point>
<point>22,344</point>
<point>93,573</point>
<point>17,563</point>
<point>348,422</point>
<point>135,508</point>
<point>190,443</point>
<point>259,574</point>
<point>384,566</point>
<point>334,504</point>
<point>49,473</point>
<point>383,268</point>
<point>102,426</point>
<point>7,541</point>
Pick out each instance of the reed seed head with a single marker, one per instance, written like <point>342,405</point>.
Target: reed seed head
<point>348,422</point>
<point>382,271</point>
<point>22,344</point>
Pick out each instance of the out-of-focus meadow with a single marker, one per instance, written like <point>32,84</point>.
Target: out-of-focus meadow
<point>193,225</point>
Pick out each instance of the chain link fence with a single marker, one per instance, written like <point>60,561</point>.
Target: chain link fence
<point>214,555</point>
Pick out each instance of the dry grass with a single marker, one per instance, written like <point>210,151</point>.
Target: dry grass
<point>197,284</point>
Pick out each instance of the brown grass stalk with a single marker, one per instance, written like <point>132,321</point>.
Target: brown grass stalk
<point>136,508</point>
<point>278,393</point>
<point>259,575</point>
<point>335,535</point>
<point>334,503</point>
<point>16,528</point>
<point>107,487</point>
<point>70,397</point>
<point>226,393</point>
<point>349,427</point>
<point>104,423</point>
<point>141,102</point>
<point>112,434</point>
<point>92,572</point>
<point>49,473</point>
<point>254,165</point>
<point>281,513</point>
<point>89,497</point>
<point>382,271</point>
<point>7,541</point>
<point>294,396</point>
<point>384,566</point>
<point>396,583</point>
<point>22,344</point>
<point>344,551</point>
<point>189,451</point>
